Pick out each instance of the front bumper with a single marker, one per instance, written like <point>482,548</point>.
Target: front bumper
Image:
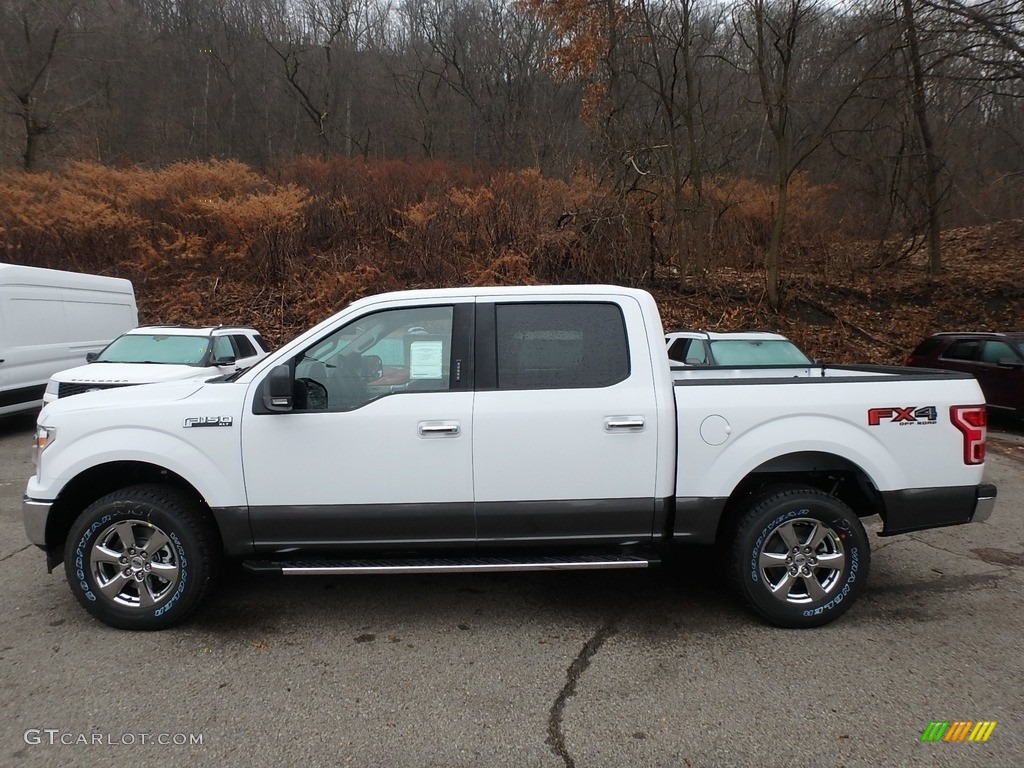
<point>35,513</point>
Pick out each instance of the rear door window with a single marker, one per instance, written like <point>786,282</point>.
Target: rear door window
<point>560,345</point>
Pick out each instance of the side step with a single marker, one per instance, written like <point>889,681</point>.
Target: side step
<point>446,565</point>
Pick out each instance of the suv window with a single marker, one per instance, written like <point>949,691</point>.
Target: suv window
<point>963,350</point>
<point>398,350</point>
<point>560,345</point>
<point>994,351</point>
<point>689,351</point>
<point>222,347</point>
<point>244,346</point>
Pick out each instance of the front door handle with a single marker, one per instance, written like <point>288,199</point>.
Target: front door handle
<point>624,424</point>
<point>439,428</point>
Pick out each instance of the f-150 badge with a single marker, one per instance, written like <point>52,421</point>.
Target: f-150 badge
<point>208,421</point>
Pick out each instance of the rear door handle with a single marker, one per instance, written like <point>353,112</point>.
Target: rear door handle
<point>624,424</point>
<point>439,428</point>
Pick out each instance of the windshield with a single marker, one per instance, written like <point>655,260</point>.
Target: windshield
<point>755,352</point>
<point>156,348</point>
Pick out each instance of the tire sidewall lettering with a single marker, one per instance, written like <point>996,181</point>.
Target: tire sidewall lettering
<point>81,558</point>
<point>851,579</point>
<point>182,576</point>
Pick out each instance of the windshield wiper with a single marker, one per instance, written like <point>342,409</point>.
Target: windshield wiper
<point>227,377</point>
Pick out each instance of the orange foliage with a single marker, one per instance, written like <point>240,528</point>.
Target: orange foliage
<point>219,241</point>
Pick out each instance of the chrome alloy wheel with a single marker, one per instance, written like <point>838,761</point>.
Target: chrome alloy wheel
<point>802,561</point>
<point>134,563</point>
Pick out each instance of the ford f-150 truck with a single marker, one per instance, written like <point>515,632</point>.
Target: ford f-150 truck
<point>483,429</point>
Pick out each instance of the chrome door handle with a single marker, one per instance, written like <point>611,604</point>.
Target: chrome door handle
<point>428,428</point>
<point>624,423</point>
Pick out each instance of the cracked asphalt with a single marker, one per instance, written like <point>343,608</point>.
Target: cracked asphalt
<point>628,668</point>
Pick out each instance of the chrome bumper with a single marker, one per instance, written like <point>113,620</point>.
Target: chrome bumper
<point>986,503</point>
<point>35,514</point>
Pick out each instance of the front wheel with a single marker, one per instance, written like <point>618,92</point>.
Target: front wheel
<point>800,557</point>
<point>140,558</point>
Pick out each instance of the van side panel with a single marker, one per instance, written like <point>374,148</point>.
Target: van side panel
<point>49,320</point>
<point>35,331</point>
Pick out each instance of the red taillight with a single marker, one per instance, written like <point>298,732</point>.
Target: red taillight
<point>971,420</point>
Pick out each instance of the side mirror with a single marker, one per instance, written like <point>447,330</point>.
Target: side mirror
<point>90,356</point>
<point>372,368</point>
<point>277,389</point>
<point>219,361</point>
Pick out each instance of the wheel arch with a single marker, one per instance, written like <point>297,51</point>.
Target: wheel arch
<point>100,480</point>
<point>835,475</point>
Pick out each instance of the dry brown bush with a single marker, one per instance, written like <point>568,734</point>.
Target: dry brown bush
<point>219,241</point>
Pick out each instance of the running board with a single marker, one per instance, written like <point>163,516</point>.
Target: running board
<point>445,565</point>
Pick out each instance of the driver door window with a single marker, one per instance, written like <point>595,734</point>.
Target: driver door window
<point>390,352</point>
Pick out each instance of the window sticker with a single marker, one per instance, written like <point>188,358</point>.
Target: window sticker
<point>426,359</point>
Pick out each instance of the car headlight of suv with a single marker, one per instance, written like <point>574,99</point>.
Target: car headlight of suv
<point>44,437</point>
<point>52,387</point>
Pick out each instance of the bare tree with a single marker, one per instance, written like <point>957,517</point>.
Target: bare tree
<point>35,36</point>
<point>919,104</point>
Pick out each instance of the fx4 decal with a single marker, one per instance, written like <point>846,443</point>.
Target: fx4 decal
<point>208,421</point>
<point>927,414</point>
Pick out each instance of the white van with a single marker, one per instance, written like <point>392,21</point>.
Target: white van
<point>50,320</point>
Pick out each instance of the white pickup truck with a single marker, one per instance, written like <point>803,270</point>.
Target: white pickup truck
<point>483,429</point>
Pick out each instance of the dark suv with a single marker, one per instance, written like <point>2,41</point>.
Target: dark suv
<point>995,359</point>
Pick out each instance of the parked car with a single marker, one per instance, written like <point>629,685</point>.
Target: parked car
<point>995,359</point>
<point>155,353</point>
<point>49,321</point>
<point>732,349</point>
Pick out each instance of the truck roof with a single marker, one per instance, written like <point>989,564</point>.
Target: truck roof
<point>505,290</point>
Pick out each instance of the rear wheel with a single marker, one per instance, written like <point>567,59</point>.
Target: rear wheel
<point>800,557</point>
<point>141,558</point>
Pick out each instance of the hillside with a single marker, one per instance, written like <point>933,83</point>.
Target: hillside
<point>221,242</point>
<point>870,316</point>
<point>878,314</point>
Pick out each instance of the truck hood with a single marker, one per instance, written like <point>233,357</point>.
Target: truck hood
<point>144,395</point>
<point>131,373</point>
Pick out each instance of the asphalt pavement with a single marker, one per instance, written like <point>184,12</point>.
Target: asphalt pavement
<point>620,668</point>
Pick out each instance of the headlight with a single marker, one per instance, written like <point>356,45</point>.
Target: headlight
<point>52,387</point>
<point>44,437</point>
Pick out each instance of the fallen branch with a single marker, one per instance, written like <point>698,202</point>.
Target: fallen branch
<point>846,323</point>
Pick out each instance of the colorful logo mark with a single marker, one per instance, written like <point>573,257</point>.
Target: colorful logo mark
<point>959,730</point>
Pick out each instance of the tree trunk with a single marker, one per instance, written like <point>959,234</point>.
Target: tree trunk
<point>933,197</point>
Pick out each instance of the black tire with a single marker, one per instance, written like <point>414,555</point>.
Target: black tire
<point>141,558</point>
<point>827,550</point>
